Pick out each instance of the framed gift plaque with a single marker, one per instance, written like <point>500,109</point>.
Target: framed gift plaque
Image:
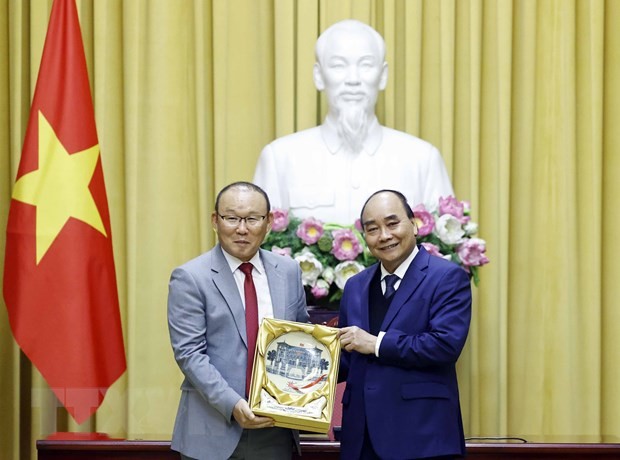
<point>295,374</point>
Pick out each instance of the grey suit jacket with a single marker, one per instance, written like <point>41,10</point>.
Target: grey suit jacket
<point>206,320</point>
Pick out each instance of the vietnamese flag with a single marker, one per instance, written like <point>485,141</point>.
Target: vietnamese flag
<point>59,278</point>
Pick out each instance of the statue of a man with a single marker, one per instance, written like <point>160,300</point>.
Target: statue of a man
<point>328,171</point>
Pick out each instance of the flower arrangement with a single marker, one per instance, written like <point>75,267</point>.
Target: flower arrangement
<point>448,232</point>
<point>330,254</point>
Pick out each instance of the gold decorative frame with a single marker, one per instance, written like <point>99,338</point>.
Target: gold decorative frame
<point>309,410</point>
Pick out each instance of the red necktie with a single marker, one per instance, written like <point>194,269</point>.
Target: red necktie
<point>251,318</point>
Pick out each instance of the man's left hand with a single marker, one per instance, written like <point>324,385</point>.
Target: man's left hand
<point>353,338</point>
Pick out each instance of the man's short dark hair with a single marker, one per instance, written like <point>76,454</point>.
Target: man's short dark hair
<point>242,185</point>
<point>400,196</point>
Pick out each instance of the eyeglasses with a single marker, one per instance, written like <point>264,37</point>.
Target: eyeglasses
<point>250,221</point>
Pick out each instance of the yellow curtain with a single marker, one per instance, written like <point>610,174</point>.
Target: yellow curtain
<point>521,97</point>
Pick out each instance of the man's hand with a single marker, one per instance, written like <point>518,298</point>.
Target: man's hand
<point>246,418</point>
<point>355,339</point>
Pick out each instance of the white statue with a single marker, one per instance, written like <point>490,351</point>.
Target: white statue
<point>329,171</point>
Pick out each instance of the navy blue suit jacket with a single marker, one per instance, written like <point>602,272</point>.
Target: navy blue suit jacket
<point>408,396</point>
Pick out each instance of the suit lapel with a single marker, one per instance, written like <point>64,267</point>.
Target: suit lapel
<point>413,278</point>
<point>225,283</point>
<point>365,295</point>
<point>277,284</point>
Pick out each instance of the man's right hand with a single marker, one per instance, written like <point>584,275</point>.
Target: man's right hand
<point>246,418</point>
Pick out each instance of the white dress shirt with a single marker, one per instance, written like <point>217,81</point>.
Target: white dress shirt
<point>265,307</point>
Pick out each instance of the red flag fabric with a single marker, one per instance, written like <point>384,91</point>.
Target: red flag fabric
<point>59,278</point>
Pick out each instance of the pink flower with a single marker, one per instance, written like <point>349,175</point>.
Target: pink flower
<point>346,246</point>
<point>320,289</point>
<point>432,249</point>
<point>358,225</point>
<point>424,220</point>
<point>280,220</point>
<point>450,205</point>
<point>281,251</point>
<point>471,252</point>
<point>310,230</point>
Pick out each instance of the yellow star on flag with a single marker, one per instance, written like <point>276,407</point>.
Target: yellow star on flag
<point>59,188</point>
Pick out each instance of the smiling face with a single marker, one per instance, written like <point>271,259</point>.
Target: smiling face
<point>350,68</point>
<point>241,240</point>
<point>389,233</point>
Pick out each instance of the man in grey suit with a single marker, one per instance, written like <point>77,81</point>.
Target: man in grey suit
<point>207,321</point>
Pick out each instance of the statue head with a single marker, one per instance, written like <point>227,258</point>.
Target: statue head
<point>350,68</point>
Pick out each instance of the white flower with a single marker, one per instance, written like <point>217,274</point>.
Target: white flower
<point>310,266</point>
<point>471,228</point>
<point>346,270</point>
<point>328,275</point>
<point>449,229</point>
<point>322,284</point>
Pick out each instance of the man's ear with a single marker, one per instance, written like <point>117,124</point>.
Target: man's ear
<point>415,226</point>
<point>318,77</point>
<point>384,77</point>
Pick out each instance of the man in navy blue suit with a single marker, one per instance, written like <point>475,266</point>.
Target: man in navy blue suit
<point>404,323</point>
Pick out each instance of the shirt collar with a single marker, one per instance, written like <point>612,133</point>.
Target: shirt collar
<point>329,132</point>
<point>402,268</point>
<point>234,262</point>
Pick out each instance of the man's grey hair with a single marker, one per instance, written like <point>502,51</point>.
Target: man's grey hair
<point>348,24</point>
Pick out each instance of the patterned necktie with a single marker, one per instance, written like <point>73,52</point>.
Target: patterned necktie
<point>251,319</point>
<point>390,281</point>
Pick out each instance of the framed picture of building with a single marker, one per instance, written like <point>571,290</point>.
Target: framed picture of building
<point>295,374</point>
